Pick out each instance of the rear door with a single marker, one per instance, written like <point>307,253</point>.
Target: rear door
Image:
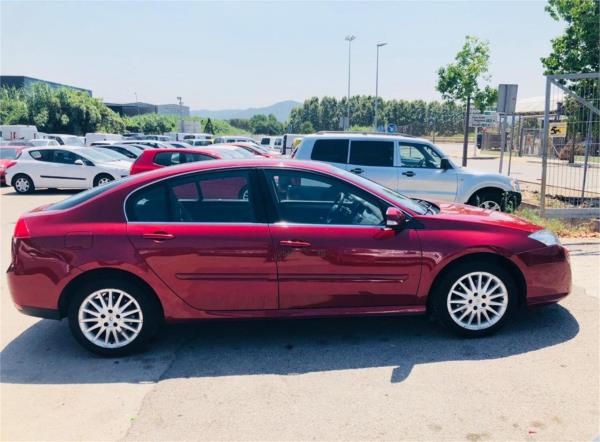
<point>374,159</point>
<point>207,242</point>
<point>332,151</point>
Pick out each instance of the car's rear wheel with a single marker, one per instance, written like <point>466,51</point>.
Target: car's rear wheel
<point>475,299</point>
<point>23,184</point>
<point>113,317</point>
<point>102,179</point>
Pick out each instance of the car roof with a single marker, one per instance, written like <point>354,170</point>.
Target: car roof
<point>364,136</point>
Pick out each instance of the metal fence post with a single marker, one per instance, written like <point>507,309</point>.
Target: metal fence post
<point>588,142</point>
<point>545,148</point>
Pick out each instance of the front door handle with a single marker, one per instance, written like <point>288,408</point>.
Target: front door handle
<point>294,243</point>
<point>158,236</point>
<point>357,170</point>
<point>408,173</point>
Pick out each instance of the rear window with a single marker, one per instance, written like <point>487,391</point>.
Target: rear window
<point>330,151</point>
<point>372,153</point>
<point>86,195</point>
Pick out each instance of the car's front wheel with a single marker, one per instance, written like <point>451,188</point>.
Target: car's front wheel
<point>113,317</point>
<point>475,299</point>
<point>102,179</point>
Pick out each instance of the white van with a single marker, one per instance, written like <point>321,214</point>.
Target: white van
<point>272,142</point>
<point>96,136</point>
<point>18,132</point>
<point>66,139</point>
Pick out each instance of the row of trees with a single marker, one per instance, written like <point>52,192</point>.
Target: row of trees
<point>417,116</point>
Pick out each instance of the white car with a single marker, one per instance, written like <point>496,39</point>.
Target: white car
<point>66,139</point>
<point>412,166</point>
<point>272,142</point>
<point>233,139</point>
<point>64,167</point>
<point>43,142</point>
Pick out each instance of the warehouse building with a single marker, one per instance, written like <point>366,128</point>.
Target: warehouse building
<point>23,82</point>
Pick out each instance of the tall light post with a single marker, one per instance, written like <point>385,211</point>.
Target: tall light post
<point>137,106</point>
<point>180,113</point>
<point>349,39</point>
<point>379,45</point>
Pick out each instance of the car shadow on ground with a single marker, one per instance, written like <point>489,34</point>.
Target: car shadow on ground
<point>47,354</point>
<point>65,192</point>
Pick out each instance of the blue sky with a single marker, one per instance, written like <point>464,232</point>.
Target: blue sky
<point>243,54</point>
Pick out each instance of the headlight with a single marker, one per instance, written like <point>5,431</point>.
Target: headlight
<point>515,185</point>
<point>545,237</point>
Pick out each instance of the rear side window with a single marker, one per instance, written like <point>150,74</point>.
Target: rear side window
<point>215,197</point>
<point>330,151</point>
<point>372,153</point>
<point>42,155</point>
<point>166,158</point>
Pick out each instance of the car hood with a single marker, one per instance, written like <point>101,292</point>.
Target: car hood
<point>117,165</point>
<point>476,215</point>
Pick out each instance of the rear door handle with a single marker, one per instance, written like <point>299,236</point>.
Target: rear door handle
<point>357,170</point>
<point>294,243</point>
<point>158,236</point>
<point>408,173</point>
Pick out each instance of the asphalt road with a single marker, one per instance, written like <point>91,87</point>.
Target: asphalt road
<point>338,379</point>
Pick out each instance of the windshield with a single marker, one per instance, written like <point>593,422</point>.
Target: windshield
<point>403,200</point>
<point>111,153</point>
<point>8,154</point>
<point>95,155</point>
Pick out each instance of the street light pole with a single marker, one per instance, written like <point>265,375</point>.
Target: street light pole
<point>379,45</point>
<point>349,39</point>
<point>180,114</point>
<point>137,106</point>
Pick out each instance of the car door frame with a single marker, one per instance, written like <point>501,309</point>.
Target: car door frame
<point>392,170</point>
<point>407,172</point>
<point>383,232</point>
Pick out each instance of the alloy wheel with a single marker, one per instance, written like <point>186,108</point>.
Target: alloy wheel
<point>490,205</point>
<point>110,318</point>
<point>477,301</point>
<point>104,180</point>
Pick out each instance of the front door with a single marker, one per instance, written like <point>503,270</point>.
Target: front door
<point>374,160</point>
<point>421,174</point>
<point>202,235</point>
<point>333,249</point>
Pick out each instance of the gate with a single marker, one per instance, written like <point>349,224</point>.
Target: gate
<point>570,147</point>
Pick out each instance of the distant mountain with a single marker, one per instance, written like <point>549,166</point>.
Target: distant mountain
<point>281,111</point>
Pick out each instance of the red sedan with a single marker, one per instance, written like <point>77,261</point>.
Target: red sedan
<point>305,239</point>
<point>8,157</point>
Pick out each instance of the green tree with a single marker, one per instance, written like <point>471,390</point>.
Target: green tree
<point>242,123</point>
<point>578,49</point>
<point>307,128</point>
<point>208,127</point>
<point>460,81</point>
<point>265,124</point>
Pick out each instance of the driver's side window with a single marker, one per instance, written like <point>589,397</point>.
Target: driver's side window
<point>311,198</point>
<point>419,156</point>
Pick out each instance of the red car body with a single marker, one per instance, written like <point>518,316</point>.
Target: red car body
<point>250,147</point>
<point>8,157</point>
<point>148,159</point>
<point>269,268</point>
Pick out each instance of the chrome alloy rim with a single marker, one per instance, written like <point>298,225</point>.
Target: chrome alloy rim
<point>477,300</point>
<point>104,180</point>
<point>110,318</point>
<point>491,205</point>
<point>22,184</point>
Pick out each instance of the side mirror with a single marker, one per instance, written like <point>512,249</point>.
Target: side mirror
<point>79,162</point>
<point>394,218</point>
<point>445,164</point>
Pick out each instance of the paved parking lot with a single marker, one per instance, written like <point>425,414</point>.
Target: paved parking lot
<point>352,379</point>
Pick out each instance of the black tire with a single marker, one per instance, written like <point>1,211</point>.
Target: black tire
<point>23,184</point>
<point>441,291</point>
<point>147,302</point>
<point>102,178</point>
<point>486,199</point>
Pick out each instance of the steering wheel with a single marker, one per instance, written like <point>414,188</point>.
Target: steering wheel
<point>335,207</point>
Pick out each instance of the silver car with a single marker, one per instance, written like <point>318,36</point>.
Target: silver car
<point>412,166</point>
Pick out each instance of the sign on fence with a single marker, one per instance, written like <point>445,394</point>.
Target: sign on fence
<point>557,129</point>
<point>487,119</point>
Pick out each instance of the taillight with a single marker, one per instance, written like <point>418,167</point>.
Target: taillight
<point>10,164</point>
<point>21,230</point>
